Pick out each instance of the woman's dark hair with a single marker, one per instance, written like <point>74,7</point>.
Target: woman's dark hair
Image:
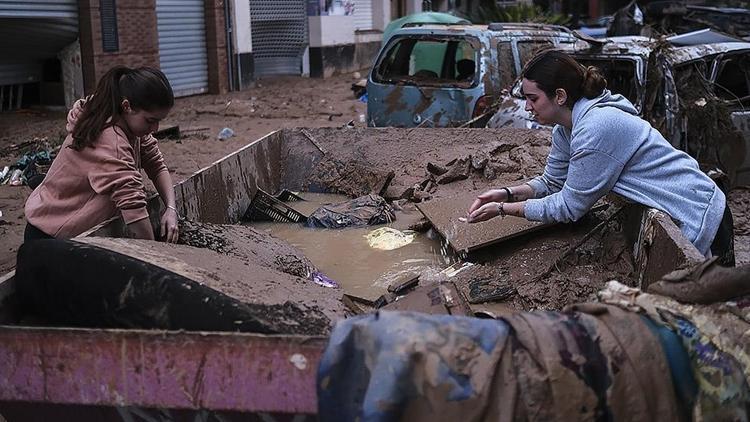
<point>552,69</point>
<point>145,88</point>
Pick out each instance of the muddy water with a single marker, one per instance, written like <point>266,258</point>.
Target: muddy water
<point>345,256</point>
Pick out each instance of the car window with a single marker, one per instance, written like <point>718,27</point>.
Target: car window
<point>732,81</point>
<point>621,75</point>
<point>527,49</point>
<point>430,61</point>
<point>505,64</point>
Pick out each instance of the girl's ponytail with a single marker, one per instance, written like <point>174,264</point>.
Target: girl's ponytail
<point>99,108</point>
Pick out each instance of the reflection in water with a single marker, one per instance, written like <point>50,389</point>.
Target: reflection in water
<point>345,255</point>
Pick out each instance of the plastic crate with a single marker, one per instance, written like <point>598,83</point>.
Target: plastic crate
<point>265,207</point>
<point>288,196</point>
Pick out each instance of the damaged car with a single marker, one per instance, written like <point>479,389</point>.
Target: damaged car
<point>444,75</point>
<point>695,95</point>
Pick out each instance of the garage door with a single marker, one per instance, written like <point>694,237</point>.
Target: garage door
<point>182,45</point>
<point>362,14</point>
<point>279,36</point>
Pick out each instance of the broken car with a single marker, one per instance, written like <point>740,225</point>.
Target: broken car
<point>443,75</point>
<point>694,95</point>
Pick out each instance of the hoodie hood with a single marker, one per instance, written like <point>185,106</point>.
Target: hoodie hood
<point>74,114</point>
<point>606,99</point>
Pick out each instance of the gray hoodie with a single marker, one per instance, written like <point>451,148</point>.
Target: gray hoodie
<point>610,148</point>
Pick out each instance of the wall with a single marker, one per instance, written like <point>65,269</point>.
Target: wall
<point>139,40</point>
<point>216,47</point>
<point>137,33</point>
<point>242,45</point>
<point>335,47</point>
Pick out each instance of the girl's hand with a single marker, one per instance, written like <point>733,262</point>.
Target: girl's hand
<point>169,226</point>
<point>484,213</point>
<point>493,195</point>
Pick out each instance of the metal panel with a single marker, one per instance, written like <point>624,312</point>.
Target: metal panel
<point>182,45</point>
<point>363,15</point>
<point>20,73</point>
<point>39,8</point>
<point>179,370</point>
<point>279,35</point>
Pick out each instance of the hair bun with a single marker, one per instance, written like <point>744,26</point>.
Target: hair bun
<point>593,82</point>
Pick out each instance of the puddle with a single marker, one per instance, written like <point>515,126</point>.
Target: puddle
<point>345,256</point>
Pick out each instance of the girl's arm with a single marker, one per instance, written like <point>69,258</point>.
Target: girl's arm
<point>142,229</point>
<point>169,223</point>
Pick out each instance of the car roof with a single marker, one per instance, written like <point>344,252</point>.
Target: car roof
<point>500,29</point>
<point>643,46</point>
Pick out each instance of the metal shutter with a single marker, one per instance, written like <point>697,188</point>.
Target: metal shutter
<point>182,45</point>
<point>39,8</point>
<point>362,14</point>
<point>279,36</point>
<point>32,31</point>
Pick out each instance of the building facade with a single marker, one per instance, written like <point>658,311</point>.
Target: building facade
<point>54,51</point>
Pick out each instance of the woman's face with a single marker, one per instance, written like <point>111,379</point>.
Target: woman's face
<point>542,108</point>
<point>143,122</point>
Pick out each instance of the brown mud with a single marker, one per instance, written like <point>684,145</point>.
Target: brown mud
<point>495,157</point>
<point>531,266</point>
<point>242,277</point>
<point>739,202</point>
<point>245,242</point>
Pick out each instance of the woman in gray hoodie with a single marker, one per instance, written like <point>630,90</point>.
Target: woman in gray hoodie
<point>600,145</point>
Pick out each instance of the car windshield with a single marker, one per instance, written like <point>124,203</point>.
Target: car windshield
<point>620,73</point>
<point>430,61</point>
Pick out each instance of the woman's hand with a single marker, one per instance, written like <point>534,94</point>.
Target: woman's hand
<point>169,226</point>
<point>484,212</point>
<point>493,195</point>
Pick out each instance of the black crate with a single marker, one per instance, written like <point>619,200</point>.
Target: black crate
<point>265,207</point>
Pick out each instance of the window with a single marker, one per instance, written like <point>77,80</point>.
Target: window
<point>506,64</point>
<point>110,40</point>
<point>731,82</point>
<point>430,60</point>
<point>528,49</point>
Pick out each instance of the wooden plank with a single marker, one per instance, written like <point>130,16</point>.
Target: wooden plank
<point>444,214</point>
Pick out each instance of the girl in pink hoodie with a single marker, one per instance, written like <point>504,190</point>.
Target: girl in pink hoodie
<point>96,175</point>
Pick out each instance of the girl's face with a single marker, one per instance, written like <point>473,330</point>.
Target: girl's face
<point>143,122</point>
<point>543,109</point>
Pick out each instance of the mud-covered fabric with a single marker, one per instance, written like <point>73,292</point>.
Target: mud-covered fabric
<point>717,339</point>
<point>368,210</point>
<point>599,363</point>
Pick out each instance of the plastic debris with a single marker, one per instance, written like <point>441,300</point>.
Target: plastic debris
<point>388,239</point>
<point>322,279</point>
<point>225,134</point>
<point>368,210</point>
<point>16,178</point>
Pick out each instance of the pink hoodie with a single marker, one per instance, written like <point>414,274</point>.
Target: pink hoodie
<point>85,188</point>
